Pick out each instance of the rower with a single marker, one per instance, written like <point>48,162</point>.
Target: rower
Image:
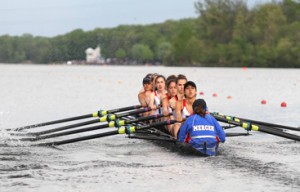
<point>149,75</point>
<point>153,77</point>
<point>180,81</point>
<point>160,92</point>
<point>146,97</point>
<point>184,108</point>
<point>202,130</point>
<point>169,102</point>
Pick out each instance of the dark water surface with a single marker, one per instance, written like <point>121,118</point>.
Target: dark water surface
<point>260,162</point>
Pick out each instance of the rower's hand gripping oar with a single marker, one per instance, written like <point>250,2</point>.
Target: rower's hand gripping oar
<point>250,126</point>
<point>123,130</point>
<point>99,113</point>
<point>117,123</point>
<point>109,117</point>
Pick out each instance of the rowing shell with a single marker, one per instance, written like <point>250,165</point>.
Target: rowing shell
<point>161,137</point>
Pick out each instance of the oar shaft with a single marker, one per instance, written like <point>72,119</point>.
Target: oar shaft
<point>67,132</point>
<point>93,128</point>
<point>102,119</point>
<point>277,133</point>
<point>68,127</point>
<point>138,111</point>
<point>120,131</point>
<point>145,118</point>
<point>236,119</point>
<point>51,122</point>
<point>88,137</point>
<point>124,109</point>
<point>259,128</point>
<point>100,113</point>
<point>271,124</point>
<point>236,134</point>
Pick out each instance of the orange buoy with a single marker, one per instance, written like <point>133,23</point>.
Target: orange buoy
<point>229,97</point>
<point>283,104</point>
<point>263,102</point>
<point>215,95</point>
<point>201,93</point>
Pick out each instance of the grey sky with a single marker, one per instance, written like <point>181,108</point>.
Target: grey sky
<point>54,17</point>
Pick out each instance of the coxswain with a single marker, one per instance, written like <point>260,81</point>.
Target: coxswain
<point>184,108</point>
<point>201,130</point>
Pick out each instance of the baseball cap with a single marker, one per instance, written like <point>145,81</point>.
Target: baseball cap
<point>190,83</point>
<point>146,80</point>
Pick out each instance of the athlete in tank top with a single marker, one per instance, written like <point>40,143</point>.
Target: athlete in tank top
<point>185,113</point>
<point>184,107</point>
<point>157,103</point>
<point>160,93</point>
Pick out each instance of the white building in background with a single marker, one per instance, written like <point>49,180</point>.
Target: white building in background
<point>93,56</point>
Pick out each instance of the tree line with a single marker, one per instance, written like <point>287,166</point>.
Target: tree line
<point>226,33</point>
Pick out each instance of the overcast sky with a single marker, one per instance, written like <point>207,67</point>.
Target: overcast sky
<point>54,17</point>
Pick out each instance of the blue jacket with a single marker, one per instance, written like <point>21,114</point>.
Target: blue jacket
<point>203,133</point>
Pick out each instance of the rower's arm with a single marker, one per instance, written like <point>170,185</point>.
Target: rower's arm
<point>141,97</point>
<point>165,106</point>
<point>178,109</point>
<point>178,117</point>
<point>150,102</point>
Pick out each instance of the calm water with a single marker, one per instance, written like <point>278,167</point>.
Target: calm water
<point>32,94</point>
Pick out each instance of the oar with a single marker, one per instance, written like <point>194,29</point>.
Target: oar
<point>237,134</point>
<point>122,130</point>
<point>270,124</point>
<point>238,120</point>
<point>118,123</point>
<point>229,127</point>
<point>109,117</point>
<point>249,126</point>
<point>260,122</point>
<point>99,113</point>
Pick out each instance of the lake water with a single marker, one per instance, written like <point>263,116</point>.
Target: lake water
<point>32,94</point>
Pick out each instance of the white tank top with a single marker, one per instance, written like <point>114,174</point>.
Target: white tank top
<point>170,109</point>
<point>184,113</point>
<point>157,102</point>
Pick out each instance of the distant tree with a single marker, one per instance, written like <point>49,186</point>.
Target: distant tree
<point>267,21</point>
<point>141,53</point>
<point>120,54</point>
<point>164,51</point>
<point>291,9</point>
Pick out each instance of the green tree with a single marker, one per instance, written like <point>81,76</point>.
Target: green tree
<point>120,54</point>
<point>164,51</point>
<point>141,53</point>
